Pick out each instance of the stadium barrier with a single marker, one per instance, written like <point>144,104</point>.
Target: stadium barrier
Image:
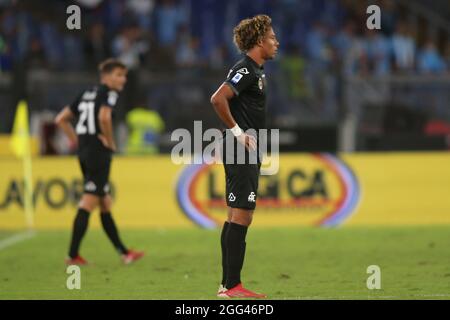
<point>309,190</point>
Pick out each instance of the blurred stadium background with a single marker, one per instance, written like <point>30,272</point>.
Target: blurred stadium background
<point>336,83</point>
<point>364,119</point>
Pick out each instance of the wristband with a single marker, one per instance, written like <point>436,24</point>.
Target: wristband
<point>236,131</point>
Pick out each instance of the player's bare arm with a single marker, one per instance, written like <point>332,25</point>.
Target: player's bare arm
<point>105,122</point>
<point>219,100</point>
<point>63,120</point>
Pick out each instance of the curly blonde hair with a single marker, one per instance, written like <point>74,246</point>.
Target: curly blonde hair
<point>250,31</point>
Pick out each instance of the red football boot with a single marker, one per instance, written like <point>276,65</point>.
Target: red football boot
<point>132,256</point>
<point>78,260</point>
<point>240,292</point>
<point>221,290</point>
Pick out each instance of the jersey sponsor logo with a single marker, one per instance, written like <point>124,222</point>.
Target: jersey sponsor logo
<point>243,71</point>
<point>231,197</point>
<point>236,78</point>
<point>310,189</point>
<point>112,98</point>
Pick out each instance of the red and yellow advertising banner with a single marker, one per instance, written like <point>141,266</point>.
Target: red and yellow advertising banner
<point>308,190</point>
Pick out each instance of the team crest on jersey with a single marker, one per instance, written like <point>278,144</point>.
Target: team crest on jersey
<point>260,84</point>
<point>112,98</point>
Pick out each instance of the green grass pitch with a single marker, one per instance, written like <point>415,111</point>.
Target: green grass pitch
<point>284,263</point>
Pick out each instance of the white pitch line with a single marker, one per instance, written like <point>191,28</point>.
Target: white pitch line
<point>19,237</point>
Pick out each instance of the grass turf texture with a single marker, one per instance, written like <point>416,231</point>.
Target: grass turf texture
<point>284,263</point>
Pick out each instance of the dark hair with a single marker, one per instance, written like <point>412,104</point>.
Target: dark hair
<point>250,31</point>
<point>109,65</point>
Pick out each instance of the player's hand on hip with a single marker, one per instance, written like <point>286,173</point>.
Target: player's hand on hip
<point>102,138</point>
<point>247,140</point>
<point>106,143</point>
<point>73,145</point>
<point>113,147</point>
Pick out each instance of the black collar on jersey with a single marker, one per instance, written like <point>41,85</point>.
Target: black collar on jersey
<point>248,58</point>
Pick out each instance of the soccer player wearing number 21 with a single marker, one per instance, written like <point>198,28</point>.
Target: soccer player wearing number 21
<point>93,134</point>
<point>240,104</point>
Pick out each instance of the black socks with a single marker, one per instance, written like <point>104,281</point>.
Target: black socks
<point>224,251</point>
<point>235,251</point>
<point>80,226</point>
<point>111,230</point>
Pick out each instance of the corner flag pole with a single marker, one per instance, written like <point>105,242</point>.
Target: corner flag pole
<point>20,144</point>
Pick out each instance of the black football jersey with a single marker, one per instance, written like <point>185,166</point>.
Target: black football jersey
<point>248,82</point>
<point>86,109</point>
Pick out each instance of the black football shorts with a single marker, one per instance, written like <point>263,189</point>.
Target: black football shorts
<point>95,169</point>
<point>241,185</point>
<point>241,176</point>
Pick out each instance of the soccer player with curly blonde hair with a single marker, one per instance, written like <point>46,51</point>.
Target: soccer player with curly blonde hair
<point>240,102</point>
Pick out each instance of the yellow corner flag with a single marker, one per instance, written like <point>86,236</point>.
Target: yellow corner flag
<point>20,140</point>
<point>20,145</point>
